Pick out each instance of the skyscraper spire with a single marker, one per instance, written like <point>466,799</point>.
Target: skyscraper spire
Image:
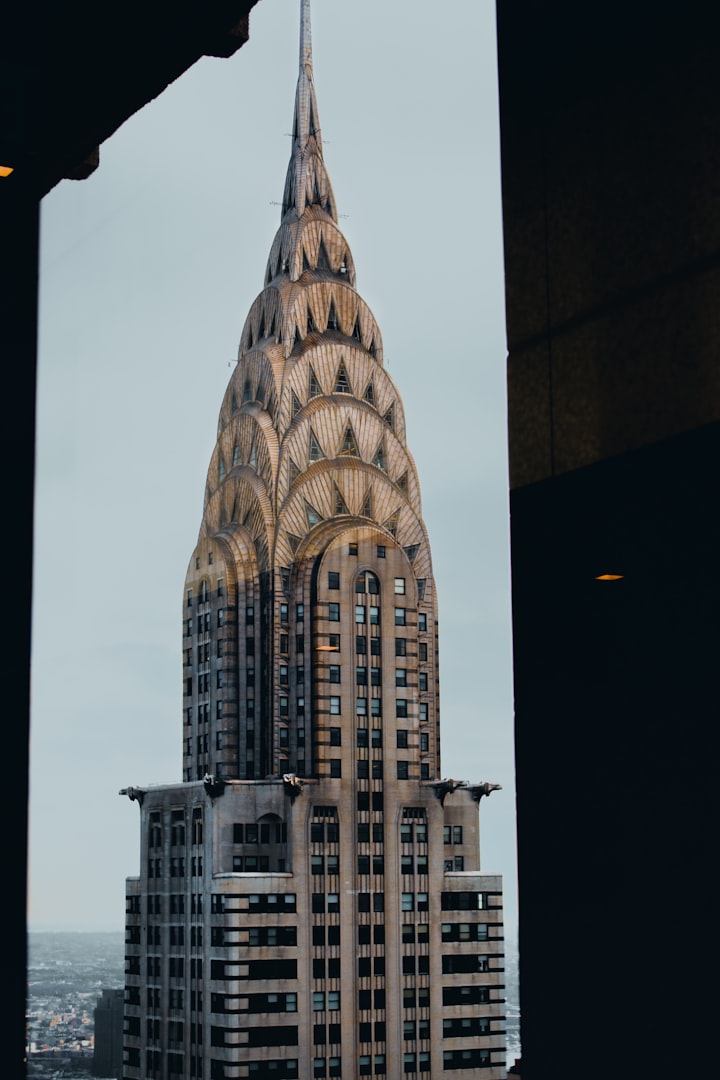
<point>307,182</point>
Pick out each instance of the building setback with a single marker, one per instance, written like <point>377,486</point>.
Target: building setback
<point>310,901</point>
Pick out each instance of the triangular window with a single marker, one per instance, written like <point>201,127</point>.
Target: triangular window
<point>306,264</point>
<point>402,483</point>
<point>316,450</point>
<point>247,392</point>
<point>342,383</point>
<point>411,551</point>
<point>389,417</point>
<point>221,470</point>
<point>340,504</point>
<point>298,335</point>
<point>261,333</point>
<point>373,349</point>
<point>332,323</point>
<point>296,406</point>
<point>367,504</point>
<point>293,471</point>
<point>234,405</point>
<point>391,523</point>
<point>253,456</point>
<point>348,445</point>
<point>280,266</point>
<point>248,519</point>
<point>343,264</point>
<point>357,333</point>
<point>421,588</point>
<point>311,324</point>
<point>236,454</point>
<point>379,457</point>
<point>323,262</point>
<point>314,390</point>
<point>369,394</point>
<point>294,542</point>
<point>312,515</point>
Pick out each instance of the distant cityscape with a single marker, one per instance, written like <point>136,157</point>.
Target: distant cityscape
<point>67,972</point>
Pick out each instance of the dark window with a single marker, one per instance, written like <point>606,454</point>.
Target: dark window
<point>333,580</point>
<point>334,612</point>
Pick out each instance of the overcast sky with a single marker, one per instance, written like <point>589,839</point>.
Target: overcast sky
<point>148,269</point>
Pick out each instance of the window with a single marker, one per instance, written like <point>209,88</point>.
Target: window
<point>422,621</point>
<point>424,741</point>
<point>336,768</point>
<point>399,586</point>
<point>334,706</point>
<point>360,645</point>
<point>401,646</point>
<point>361,676</point>
<point>363,770</point>
<point>352,549</point>
<point>334,612</point>
<point>361,706</point>
<point>359,613</point>
<point>401,736</point>
<point>400,616</point>
<point>381,551</point>
<point>334,673</point>
<point>377,770</point>
<point>407,902</point>
<point>335,736</point>
<point>422,681</point>
<point>299,612</point>
<point>401,709</point>
<point>318,1001</point>
<point>361,737</point>
<point>401,676</point>
<point>333,580</point>
<point>423,711</point>
<point>374,615</point>
<point>403,770</point>
<point>333,1000</point>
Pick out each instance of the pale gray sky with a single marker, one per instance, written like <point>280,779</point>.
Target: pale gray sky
<point>148,269</point>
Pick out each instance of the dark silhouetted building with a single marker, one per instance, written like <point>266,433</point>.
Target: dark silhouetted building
<point>108,1017</point>
<point>610,160</point>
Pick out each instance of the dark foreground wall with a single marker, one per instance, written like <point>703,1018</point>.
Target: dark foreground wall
<point>70,74</point>
<point>609,126</point>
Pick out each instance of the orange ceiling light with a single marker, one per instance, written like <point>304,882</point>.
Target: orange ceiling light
<point>327,648</point>
<point>609,577</point>
<point>5,170</point>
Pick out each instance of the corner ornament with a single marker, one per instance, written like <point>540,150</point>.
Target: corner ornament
<point>445,787</point>
<point>293,785</point>
<point>135,794</point>
<point>214,786</point>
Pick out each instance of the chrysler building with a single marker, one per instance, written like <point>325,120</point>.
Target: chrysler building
<point>310,902</point>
